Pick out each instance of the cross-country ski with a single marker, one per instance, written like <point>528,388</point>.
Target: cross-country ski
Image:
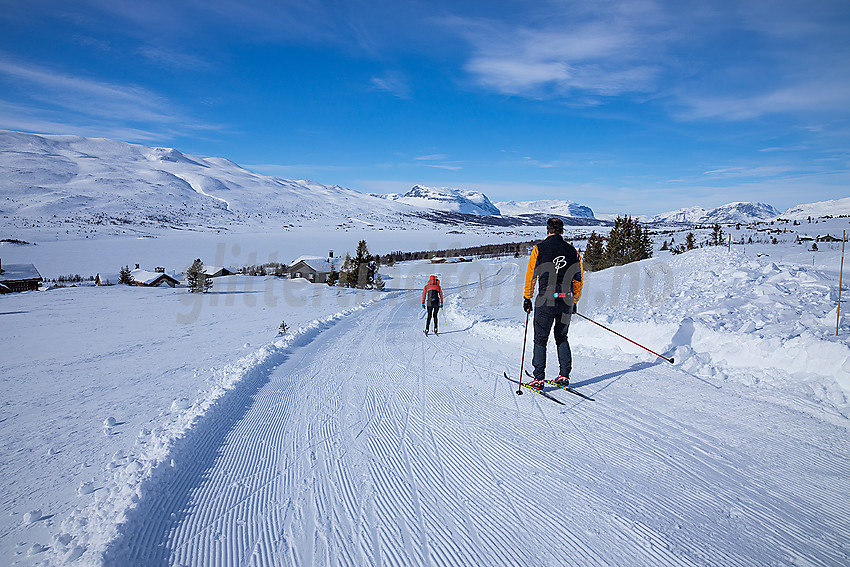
<point>535,390</point>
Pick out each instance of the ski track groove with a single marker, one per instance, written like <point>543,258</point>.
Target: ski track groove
<point>359,449</point>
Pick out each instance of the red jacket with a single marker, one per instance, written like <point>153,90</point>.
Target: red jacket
<point>432,286</point>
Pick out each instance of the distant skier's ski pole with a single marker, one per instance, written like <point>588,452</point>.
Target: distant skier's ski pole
<point>522,363</point>
<point>670,360</point>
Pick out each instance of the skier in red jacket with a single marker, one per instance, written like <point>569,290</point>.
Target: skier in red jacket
<point>432,300</point>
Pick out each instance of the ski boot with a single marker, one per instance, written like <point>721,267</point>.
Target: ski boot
<point>562,381</point>
<point>536,384</point>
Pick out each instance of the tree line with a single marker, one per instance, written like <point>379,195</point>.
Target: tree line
<point>627,242</point>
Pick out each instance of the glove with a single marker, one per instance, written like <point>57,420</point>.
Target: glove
<point>440,306</point>
<point>526,305</point>
<point>423,306</point>
<point>575,308</point>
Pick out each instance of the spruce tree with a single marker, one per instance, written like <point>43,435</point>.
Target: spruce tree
<point>627,242</point>
<point>125,277</point>
<point>716,235</point>
<point>196,279</point>
<point>593,252</point>
<point>361,271</point>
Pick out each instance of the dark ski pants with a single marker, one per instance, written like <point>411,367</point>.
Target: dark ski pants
<point>545,316</point>
<point>432,312</point>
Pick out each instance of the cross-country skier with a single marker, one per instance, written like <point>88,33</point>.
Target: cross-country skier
<point>432,300</point>
<point>557,267</point>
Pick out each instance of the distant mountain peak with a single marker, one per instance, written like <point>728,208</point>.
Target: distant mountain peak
<point>738,212</point>
<point>448,199</point>
<point>549,207</point>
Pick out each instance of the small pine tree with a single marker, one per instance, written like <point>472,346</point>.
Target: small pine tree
<point>196,279</point>
<point>716,235</point>
<point>125,276</point>
<point>283,328</point>
<point>690,241</point>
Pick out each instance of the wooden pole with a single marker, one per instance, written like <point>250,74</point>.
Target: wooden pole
<point>840,280</point>
<point>730,242</point>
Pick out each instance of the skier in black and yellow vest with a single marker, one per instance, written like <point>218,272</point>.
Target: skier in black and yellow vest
<point>557,267</point>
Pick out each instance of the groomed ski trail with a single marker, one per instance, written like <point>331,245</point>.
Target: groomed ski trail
<point>375,445</point>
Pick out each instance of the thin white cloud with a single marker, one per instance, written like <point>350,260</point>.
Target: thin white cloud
<point>17,117</point>
<point>748,171</point>
<point>585,52</point>
<point>431,157</point>
<point>173,59</point>
<point>601,51</point>
<point>86,95</point>
<point>393,83</point>
<point>812,95</point>
<point>56,101</point>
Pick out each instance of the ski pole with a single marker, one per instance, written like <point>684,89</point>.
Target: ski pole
<point>670,360</point>
<point>522,363</point>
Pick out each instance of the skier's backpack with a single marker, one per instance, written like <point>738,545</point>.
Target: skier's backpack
<point>433,297</point>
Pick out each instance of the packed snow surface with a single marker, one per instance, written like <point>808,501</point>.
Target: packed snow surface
<point>149,426</point>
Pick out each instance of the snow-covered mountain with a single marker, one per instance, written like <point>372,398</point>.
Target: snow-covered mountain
<point>726,214</point>
<point>548,207</point>
<point>821,209</point>
<point>55,182</point>
<point>447,199</point>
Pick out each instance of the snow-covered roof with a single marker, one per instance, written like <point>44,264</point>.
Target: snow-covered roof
<point>19,272</point>
<point>147,277</point>
<point>318,263</point>
<point>212,270</point>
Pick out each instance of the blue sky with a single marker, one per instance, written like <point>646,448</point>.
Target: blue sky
<point>637,106</point>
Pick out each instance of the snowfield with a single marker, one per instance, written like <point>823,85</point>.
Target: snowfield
<point>153,427</point>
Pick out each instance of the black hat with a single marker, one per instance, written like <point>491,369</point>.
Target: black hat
<point>555,225</point>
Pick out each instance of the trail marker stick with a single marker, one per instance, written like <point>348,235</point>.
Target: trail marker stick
<point>670,360</point>
<point>840,280</point>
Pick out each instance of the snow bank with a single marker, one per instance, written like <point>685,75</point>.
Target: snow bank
<point>87,532</point>
<point>720,315</point>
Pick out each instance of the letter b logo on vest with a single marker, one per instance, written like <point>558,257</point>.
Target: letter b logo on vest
<point>560,263</point>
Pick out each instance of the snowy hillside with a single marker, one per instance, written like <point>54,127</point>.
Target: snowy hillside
<point>58,183</point>
<point>447,199</point>
<point>547,207</point>
<point>727,214</point>
<point>815,210</point>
